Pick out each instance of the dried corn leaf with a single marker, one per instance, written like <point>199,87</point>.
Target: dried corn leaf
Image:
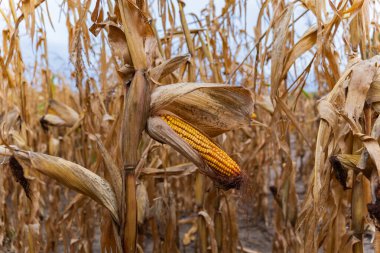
<point>111,166</point>
<point>168,67</point>
<point>59,114</point>
<point>280,32</point>
<point>118,43</point>
<point>361,78</point>
<point>73,176</point>
<point>10,120</point>
<point>176,171</point>
<point>302,46</point>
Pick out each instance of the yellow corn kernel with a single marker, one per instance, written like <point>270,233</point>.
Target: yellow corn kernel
<point>215,157</point>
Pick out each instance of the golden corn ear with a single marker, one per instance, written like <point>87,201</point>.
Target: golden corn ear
<point>215,157</point>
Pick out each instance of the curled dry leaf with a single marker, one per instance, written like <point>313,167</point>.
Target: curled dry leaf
<point>110,165</point>
<point>307,41</point>
<point>18,139</point>
<point>361,78</point>
<point>10,128</point>
<point>126,72</point>
<point>10,121</point>
<point>73,176</point>
<point>168,67</point>
<point>118,43</point>
<point>59,114</point>
<point>328,112</point>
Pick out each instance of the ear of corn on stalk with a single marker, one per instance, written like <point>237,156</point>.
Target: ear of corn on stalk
<point>224,167</point>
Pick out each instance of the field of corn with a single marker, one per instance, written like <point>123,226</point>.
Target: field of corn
<point>248,126</point>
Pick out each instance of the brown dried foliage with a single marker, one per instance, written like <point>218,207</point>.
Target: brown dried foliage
<point>311,158</point>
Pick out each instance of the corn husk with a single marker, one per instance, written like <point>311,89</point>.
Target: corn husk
<point>213,108</point>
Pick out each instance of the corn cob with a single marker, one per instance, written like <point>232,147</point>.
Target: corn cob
<point>215,157</point>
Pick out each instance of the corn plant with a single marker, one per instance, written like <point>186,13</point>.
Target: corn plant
<point>251,126</point>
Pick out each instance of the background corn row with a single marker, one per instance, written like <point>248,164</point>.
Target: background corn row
<point>295,55</point>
